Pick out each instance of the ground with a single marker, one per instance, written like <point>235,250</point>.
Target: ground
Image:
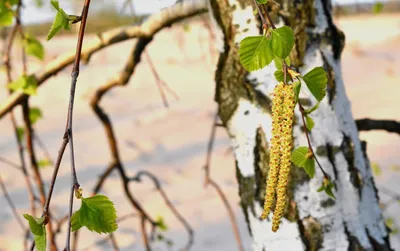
<point>171,143</point>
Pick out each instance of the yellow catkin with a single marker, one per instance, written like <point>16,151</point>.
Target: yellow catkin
<point>286,143</point>
<point>275,149</point>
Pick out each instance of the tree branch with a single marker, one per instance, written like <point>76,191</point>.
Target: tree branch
<point>155,23</point>
<point>210,181</point>
<point>372,124</point>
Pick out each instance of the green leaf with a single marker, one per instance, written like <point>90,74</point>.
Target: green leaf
<point>20,133</point>
<point>279,75</point>
<point>316,80</point>
<point>58,23</point>
<point>44,162</point>
<point>378,7</point>
<point>309,111</point>
<point>296,88</point>
<point>35,224</point>
<point>62,20</point>
<point>161,224</point>
<point>26,84</point>
<point>309,123</point>
<point>38,230</point>
<point>35,114</point>
<point>255,53</point>
<point>33,47</point>
<point>262,1</point>
<point>282,41</point>
<point>97,214</point>
<point>301,157</point>
<point>6,17</point>
<point>327,186</point>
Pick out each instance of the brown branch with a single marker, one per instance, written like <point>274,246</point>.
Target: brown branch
<point>155,23</point>
<point>157,184</point>
<point>68,129</point>
<point>221,194</point>
<point>372,124</point>
<point>171,15</point>
<point>301,108</point>
<point>120,80</point>
<point>35,167</point>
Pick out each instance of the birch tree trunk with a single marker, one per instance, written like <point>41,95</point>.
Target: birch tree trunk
<point>312,220</point>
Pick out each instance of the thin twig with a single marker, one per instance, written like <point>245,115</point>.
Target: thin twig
<point>221,194</point>
<point>160,83</point>
<point>309,141</point>
<point>10,163</point>
<point>184,222</point>
<point>11,204</point>
<point>68,130</point>
<point>43,147</point>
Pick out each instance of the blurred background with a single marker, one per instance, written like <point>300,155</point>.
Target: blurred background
<point>171,142</point>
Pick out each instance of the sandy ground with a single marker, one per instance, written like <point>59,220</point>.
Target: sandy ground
<point>171,143</point>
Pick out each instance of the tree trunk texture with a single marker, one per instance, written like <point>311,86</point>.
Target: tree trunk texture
<point>312,220</point>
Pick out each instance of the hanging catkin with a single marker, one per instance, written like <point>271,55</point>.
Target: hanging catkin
<point>280,152</point>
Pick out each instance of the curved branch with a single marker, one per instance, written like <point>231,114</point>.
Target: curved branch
<point>372,124</point>
<point>155,23</point>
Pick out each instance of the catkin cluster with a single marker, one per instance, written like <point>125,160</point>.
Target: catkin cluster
<point>280,152</point>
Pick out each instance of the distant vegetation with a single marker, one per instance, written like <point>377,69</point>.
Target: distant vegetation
<point>366,8</point>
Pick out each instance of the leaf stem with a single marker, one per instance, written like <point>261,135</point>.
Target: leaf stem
<point>301,108</point>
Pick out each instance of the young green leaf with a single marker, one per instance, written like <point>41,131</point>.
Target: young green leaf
<point>35,114</point>
<point>279,62</point>
<point>6,17</point>
<point>327,186</point>
<point>62,20</point>
<point>26,84</point>
<point>301,157</point>
<point>309,123</point>
<point>255,53</point>
<point>20,133</point>
<point>316,80</point>
<point>38,230</point>
<point>262,1</point>
<point>97,214</point>
<point>279,75</point>
<point>33,47</point>
<point>161,224</point>
<point>44,162</point>
<point>282,41</point>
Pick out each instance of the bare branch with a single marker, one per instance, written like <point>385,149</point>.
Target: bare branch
<point>372,124</point>
<point>210,181</point>
<point>156,182</point>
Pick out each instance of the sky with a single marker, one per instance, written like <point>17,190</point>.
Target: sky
<point>46,13</point>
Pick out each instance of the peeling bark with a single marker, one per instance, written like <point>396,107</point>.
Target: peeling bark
<point>312,220</point>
